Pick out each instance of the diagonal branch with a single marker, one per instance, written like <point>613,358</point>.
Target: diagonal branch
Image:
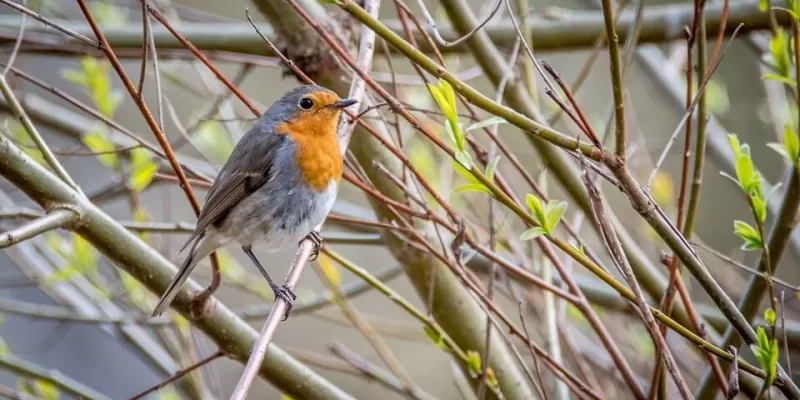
<point>130,253</point>
<point>54,220</point>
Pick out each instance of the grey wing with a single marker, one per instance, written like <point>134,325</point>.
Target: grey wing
<point>247,169</point>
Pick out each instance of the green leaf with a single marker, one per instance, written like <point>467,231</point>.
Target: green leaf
<point>465,173</point>
<point>791,143</point>
<point>83,253</point>
<point>435,337</point>
<point>464,158</point>
<point>474,363</point>
<point>735,146</point>
<point>532,233</point>
<point>487,122</point>
<point>491,168</point>
<point>778,78</point>
<point>474,187</point>
<point>769,316</point>
<point>780,53</point>
<point>763,5</point>
<point>441,101</point>
<point>766,352</point>
<point>794,8</point>
<point>744,172</point>
<point>143,169</point>
<point>143,176</point>
<point>760,208</point>
<point>108,14</point>
<point>555,210</point>
<point>20,134</point>
<point>47,390</point>
<point>752,240</point>
<point>97,142</point>
<point>535,205</point>
<point>449,94</point>
<point>77,78</point>
<point>213,140</point>
<point>4,349</point>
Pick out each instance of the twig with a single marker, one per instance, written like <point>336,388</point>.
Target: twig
<point>306,247</point>
<point>56,219</point>
<point>369,333</point>
<point>733,381</point>
<point>542,388</point>
<point>785,341</point>
<point>202,57</point>
<point>178,375</point>
<point>160,136</point>
<point>146,38</point>
<point>617,254</point>
<point>436,34</point>
<point>691,107</point>
<point>26,11</point>
<point>26,122</point>
<point>17,42</point>
<point>383,377</point>
<point>59,380</point>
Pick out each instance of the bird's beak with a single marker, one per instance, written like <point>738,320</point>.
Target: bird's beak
<point>344,103</point>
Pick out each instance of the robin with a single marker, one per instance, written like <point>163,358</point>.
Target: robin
<point>278,184</point>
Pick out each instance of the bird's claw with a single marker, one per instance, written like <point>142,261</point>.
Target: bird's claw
<point>316,239</point>
<point>287,295</point>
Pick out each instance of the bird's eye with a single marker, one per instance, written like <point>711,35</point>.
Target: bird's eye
<point>306,103</point>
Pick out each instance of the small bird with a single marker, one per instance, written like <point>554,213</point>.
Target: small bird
<point>278,184</point>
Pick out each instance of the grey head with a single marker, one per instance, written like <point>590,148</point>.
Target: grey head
<point>305,99</point>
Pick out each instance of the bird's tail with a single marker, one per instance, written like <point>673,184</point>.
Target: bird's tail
<point>200,249</point>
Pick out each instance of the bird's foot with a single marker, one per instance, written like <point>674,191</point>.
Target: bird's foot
<point>283,292</point>
<point>316,239</point>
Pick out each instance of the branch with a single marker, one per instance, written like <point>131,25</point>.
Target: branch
<point>26,122</point>
<point>54,220</point>
<point>753,294</point>
<point>453,306</point>
<point>559,30</point>
<point>65,383</point>
<point>128,252</point>
<point>367,46</point>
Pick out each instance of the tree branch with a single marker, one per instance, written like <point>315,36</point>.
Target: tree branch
<point>54,220</point>
<point>559,30</point>
<point>128,252</point>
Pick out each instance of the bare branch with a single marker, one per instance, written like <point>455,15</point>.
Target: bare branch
<point>57,219</point>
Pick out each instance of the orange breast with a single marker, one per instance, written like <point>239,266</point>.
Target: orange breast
<point>318,154</point>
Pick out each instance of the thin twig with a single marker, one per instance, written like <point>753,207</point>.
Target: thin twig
<point>56,378</point>
<point>439,39</point>
<point>160,137</point>
<point>50,23</point>
<point>54,220</point>
<point>686,115</point>
<point>17,42</point>
<point>178,375</point>
<point>617,254</point>
<point>306,247</point>
<point>373,371</point>
<point>202,57</point>
<point>26,122</point>
<point>541,387</point>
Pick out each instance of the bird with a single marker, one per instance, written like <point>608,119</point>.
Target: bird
<point>278,184</point>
